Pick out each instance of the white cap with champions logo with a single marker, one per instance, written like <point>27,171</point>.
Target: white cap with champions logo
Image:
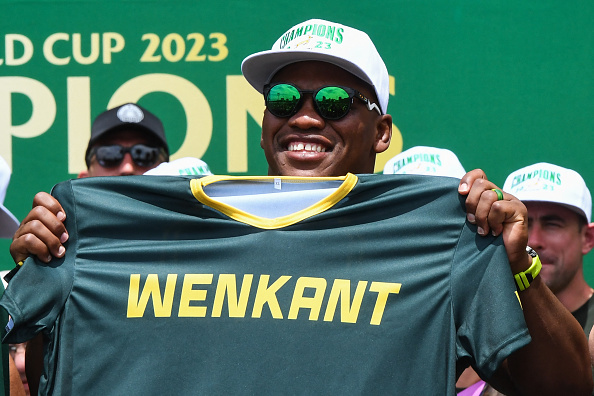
<point>423,160</point>
<point>325,41</point>
<point>546,182</point>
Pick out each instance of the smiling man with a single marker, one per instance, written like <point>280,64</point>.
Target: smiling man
<point>559,224</point>
<point>309,131</point>
<point>323,147</point>
<point>323,118</point>
<point>326,92</point>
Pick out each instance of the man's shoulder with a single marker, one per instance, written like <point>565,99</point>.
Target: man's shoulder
<point>417,180</point>
<point>123,183</point>
<point>440,190</point>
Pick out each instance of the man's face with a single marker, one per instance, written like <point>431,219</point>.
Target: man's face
<point>124,138</point>
<point>556,235</point>
<point>305,144</point>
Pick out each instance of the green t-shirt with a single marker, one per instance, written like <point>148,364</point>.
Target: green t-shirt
<point>359,284</point>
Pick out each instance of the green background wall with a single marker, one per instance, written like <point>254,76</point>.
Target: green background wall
<point>502,84</point>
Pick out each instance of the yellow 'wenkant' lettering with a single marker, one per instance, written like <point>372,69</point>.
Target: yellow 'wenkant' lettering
<point>161,307</point>
<point>228,285</point>
<point>342,289</point>
<point>188,295</point>
<point>267,295</point>
<point>308,293</point>
<point>313,303</point>
<point>383,289</point>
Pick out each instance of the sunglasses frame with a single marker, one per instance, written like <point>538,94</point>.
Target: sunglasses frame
<point>124,150</point>
<point>352,93</point>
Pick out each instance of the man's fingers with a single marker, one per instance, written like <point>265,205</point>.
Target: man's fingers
<point>492,215</point>
<point>29,245</point>
<point>45,200</point>
<point>501,213</point>
<point>36,239</point>
<point>42,232</point>
<point>468,180</point>
<point>506,217</point>
<point>478,214</point>
<point>483,210</point>
<point>41,219</point>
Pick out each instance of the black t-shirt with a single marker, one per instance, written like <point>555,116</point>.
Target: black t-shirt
<point>585,316</point>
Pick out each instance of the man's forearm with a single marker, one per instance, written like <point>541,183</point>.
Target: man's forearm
<point>556,361</point>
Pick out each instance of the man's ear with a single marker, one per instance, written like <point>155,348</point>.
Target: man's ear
<point>588,238</point>
<point>384,133</point>
<point>84,173</point>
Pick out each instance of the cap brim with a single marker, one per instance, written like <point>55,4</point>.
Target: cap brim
<point>8,223</point>
<point>537,197</point>
<point>260,67</point>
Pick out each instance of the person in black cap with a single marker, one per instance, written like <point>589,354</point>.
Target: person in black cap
<point>125,140</point>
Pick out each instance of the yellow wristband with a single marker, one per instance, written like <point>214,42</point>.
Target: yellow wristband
<point>525,278</point>
<point>20,263</point>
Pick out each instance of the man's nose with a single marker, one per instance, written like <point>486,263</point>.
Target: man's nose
<point>128,167</point>
<point>307,117</point>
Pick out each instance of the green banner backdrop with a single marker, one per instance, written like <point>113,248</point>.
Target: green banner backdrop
<point>502,84</point>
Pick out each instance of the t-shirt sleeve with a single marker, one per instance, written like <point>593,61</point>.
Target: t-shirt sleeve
<point>488,315</point>
<point>37,293</point>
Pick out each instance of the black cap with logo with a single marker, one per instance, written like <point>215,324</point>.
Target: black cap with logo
<point>127,116</point>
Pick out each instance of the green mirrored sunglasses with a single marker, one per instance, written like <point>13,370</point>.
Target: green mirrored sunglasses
<point>331,102</point>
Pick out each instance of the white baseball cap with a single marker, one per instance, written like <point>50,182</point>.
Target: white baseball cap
<point>424,160</point>
<point>546,182</point>
<point>325,41</point>
<point>188,166</point>
<point>8,223</point>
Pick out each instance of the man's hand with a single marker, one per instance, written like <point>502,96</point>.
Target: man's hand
<point>42,232</point>
<point>508,216</point>
<point>556,335</point>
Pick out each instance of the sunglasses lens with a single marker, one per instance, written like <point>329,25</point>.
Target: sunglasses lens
<point>109,156</point>
<point>144,155</point>
<point>333,102</point>
<point>282,99</point>
<point>112,156</point>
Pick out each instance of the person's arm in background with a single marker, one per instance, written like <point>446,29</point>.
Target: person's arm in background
<point>556,361</point>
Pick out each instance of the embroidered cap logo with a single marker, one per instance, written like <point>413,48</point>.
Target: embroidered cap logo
<point>130,113</point>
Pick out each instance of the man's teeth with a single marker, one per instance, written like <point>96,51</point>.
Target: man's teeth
<point>307,147</point>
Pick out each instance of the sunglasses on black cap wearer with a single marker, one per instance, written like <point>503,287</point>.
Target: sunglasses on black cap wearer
<point>331,102</point>
<point>110,156</point>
